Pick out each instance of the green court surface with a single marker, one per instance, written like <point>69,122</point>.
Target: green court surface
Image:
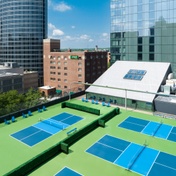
<point>14,153</point>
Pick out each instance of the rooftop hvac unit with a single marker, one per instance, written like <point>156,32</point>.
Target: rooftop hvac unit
<point>170,76</point>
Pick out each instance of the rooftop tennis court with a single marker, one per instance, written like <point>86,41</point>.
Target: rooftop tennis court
<point>151,128</point>
<point>40,131</point>
<point>78,160</point>
<point>134,157</point>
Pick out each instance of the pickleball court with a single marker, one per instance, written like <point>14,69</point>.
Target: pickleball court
<point>134,157</point>
<point>151,128</point>
<point>45,128</point>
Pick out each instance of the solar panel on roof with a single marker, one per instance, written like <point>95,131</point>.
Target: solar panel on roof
<point>135,74</point>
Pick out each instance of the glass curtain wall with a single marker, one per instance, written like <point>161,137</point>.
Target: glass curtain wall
<point>23,26</point>
<point>143,30</point>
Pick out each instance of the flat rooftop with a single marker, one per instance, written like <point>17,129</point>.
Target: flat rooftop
<point>78,160</point>
<point>7,74</point>
<point>47,87</point>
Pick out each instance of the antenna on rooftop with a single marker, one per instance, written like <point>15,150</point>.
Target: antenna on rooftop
<point>96,48</point>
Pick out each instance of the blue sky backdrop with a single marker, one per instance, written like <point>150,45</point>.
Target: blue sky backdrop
<point>79,23</point>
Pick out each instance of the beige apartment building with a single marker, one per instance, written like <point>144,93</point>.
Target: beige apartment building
<point>63,70</point>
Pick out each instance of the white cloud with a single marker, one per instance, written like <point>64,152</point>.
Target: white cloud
<point>105,34</point>
<point>105,37</point>
<point>55,31</point>
<point>51,26</point>
<point>73,27</point>
<point>91,40</point>
<point>79,38</point>
<point>84,37</point>
<point>62,7</point>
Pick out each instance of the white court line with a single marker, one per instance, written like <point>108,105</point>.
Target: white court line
<point>169,133</point>
<point>109,146</point>
<point>122,153</point>
<point>134,124</point>
<point>41,129</point>
<point>146,127</point>
<point>166,166</point>
<point>153,163</point>
<point>30,135</point>
<point>69,169</point>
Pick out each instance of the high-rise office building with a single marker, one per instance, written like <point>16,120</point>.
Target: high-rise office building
<point>143,30</point>
<point>23,26</point>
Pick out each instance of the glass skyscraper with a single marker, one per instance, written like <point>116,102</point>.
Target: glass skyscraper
<point>23,26</point>
<point>143,30</point>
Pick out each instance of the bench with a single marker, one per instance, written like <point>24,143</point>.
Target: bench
<point>71,131</point>
<point>29,113</point>
<point>6,121</point>
<point>13,119</point>
<point>24,115</point>
<point>39,110</point>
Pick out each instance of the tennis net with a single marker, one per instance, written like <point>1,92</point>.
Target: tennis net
<point>52,123</point>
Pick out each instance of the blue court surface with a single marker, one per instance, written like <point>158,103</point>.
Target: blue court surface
<point>67,172</point>
<point>159,130</point>
<point>45,128</point>
<point>134,157</point>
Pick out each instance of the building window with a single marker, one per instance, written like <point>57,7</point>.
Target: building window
<point>79,76</point>
<point>151,48</point>
<point>139,57</point>
<point>79,69</point>
<point>59,63</point>
<point>151,57</point>
<point>59,73</point>
<point>65,63</point>
<point>58,58</point>
<point>59,79</point>
<point>65,87</point>
<point>52,73</point>
<point>52,79</point>
<point>58,67</point>
<point>65,68</point>
<point>151,40</point>
<point>152,31</point>
<point>79,64</point>
<point>80,89</point>
<point>52,62</point>
<point>52,67</point>
<point>139,40</point>
<point>65,74</point>
<point>65,80</point>
<point>140,48</point>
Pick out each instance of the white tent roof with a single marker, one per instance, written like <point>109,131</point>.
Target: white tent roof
<point>114,77</point>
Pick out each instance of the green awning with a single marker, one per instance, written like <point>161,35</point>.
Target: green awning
<point>58,91</point>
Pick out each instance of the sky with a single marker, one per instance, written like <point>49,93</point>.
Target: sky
<point>79,23</point>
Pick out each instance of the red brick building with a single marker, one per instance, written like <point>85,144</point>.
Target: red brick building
<point>63,69</point>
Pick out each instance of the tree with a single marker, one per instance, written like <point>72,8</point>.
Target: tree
<point>12,101</point>
<point>32,98</point>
